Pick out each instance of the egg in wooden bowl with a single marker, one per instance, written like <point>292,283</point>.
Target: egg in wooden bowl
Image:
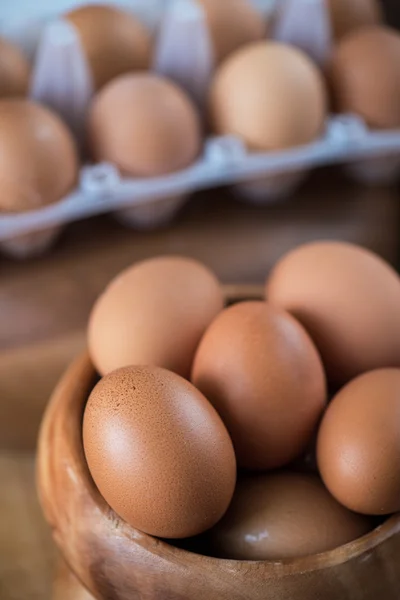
<point>326,551</point>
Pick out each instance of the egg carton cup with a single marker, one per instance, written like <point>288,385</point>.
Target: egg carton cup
<point>26,32</point>
<point>62,78</point>
<point>269,189</point>
<point>375,171</point>
<point>30,245</point>
<point>62,81</point>
<point>306,25</point>
<point>155,214</point>
<point>225,161</point>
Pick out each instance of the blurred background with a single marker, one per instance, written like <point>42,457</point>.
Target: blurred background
<point>45,300</point>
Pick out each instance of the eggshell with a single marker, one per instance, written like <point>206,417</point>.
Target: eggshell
<point>158,452</point>
<point>281,516</point>
<point>38,156</point>
<point>365,76</point>
<point>114,41</point>
<point>348,300</point>
<point>269,94</point>
<point>154,313</point>
<point>144,124</point>
<point>232,25</point>
<point>14,71</point>
<point>348,16</point>
<point>261,371</point>
<point>358,448</point>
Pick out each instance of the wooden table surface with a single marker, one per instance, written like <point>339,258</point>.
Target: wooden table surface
<point>44,304</point>
<point>26,551</point>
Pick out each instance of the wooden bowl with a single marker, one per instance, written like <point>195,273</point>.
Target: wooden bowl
<point>116,562</point>
<point>66,586</point>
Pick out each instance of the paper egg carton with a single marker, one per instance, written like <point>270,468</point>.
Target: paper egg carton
<point>62,81</point>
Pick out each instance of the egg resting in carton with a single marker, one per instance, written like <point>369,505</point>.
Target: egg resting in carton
<point>63,82</point>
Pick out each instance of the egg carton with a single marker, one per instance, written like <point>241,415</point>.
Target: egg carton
<point>61,80</point>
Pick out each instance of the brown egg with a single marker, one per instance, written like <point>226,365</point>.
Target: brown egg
<point>347,16</point>
<point>38,156</point>
<point>261,371</point>
<point>307,462</point>
<point>14,71</point>
<point>158,452</point>
<point>144,124</point>
<point>358,448</point>
<point>270,95</point>
<point>348,300</point>
<point>365,76</point>
<point>281,516</point>
<point>114,41</point>
<point>154,313</point>
<point>232,25</point>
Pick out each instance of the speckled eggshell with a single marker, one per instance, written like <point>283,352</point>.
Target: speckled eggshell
<point>283,516</point>
<point>365,77</point>
<point>145,125</point>
<point>348,300</point>
<point>158,452</point>
<point>154,313</point>
<point>38,156</point>
<point>114,41</point>
<point>261,371</point>
<point>358,448</point>
<point>14,71</point>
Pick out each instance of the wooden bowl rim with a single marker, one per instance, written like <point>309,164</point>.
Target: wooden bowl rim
<point>59,408</point>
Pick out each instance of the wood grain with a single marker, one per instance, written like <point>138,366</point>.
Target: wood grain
<point>116,561</point>
<point>26,549</point>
